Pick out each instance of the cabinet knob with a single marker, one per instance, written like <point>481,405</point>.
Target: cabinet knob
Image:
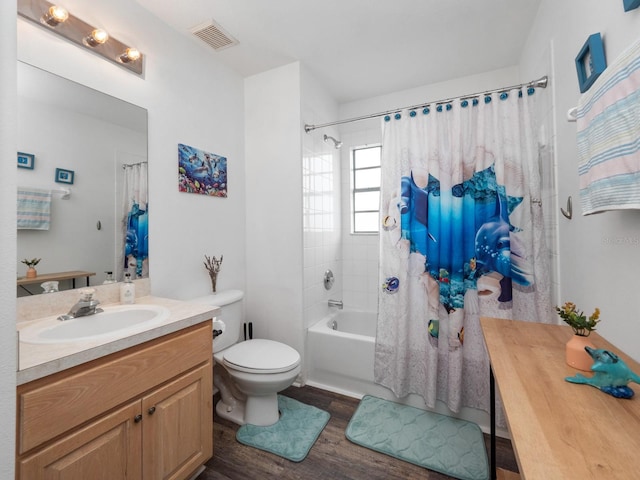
<point>151,410</point>
<point>137,418</point>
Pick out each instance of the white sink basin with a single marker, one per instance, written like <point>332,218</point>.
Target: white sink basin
<point>116,321</point>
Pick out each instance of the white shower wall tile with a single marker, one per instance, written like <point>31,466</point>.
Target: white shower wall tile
<point>360,252</point>
<point>322,239</point>
<point>361,272</point>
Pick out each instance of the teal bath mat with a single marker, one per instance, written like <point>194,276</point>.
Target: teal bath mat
<point>437,442</point>
<point>290,437</point>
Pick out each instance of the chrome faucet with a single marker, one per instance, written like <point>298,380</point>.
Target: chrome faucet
<point>336,303</point>
<point>87,305</point>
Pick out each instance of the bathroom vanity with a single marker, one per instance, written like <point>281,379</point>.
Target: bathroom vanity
<point>139,407</point>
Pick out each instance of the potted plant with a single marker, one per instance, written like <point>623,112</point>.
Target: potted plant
<point>31,271</point>
<point>576,355</point>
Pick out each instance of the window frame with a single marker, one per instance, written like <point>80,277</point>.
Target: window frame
<point>354,190</point>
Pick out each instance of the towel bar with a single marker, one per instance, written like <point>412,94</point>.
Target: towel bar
<point>64,192</point>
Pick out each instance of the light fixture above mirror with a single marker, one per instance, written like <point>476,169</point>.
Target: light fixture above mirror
<point>56,19</point>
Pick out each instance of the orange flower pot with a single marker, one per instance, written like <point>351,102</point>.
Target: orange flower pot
<point>577,357</point>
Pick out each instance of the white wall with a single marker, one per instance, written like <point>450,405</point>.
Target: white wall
<point>8,109</point>
<point>274,268</point>
<point>321,201</point>
<point>293,222</point>
<point>597,253</point>
<point>191,99</point>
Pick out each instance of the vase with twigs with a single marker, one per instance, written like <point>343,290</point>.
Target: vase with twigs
<point>212,264</point>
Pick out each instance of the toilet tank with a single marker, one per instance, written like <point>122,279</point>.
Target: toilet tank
<point>232,314</point>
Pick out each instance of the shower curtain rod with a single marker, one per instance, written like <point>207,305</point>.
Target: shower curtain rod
<point>125,165</point>
<point>539,83</point>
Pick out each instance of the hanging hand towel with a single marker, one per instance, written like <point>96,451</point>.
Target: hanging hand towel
<point>34,209</point>
<point>608,124</point>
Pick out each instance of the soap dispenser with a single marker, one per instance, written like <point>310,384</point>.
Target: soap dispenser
<point>127,290</point>
<point>109,279</point>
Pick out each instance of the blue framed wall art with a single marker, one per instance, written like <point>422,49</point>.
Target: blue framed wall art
<point>590,62</point>
<point>26,160</point>
<point>631,4</point>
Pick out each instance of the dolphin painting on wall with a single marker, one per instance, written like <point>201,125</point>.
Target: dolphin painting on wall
<point>201,172</point>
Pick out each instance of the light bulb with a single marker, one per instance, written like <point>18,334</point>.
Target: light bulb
<point>130,55</point>
<point>58,13</point>
<point>55,16</point>
<point>97,37</point>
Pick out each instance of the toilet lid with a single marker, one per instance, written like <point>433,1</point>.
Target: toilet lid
<point>261,356</point>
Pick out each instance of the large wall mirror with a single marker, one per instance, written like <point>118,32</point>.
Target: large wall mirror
<point>72,133</point>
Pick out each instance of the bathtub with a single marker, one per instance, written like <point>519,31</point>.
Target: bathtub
<point>341,360</point>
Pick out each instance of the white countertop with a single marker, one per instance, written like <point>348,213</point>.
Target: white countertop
<point>39,360</point>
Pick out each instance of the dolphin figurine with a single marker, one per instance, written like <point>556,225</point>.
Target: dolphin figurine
<point>611,374</point>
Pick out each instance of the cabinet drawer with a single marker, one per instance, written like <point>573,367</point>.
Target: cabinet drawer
<point>111,446</point>
<point>56,404</point>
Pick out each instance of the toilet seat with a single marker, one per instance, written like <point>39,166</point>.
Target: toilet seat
<point>261,356</point>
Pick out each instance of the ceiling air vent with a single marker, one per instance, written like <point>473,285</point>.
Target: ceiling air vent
<point>214,35</point>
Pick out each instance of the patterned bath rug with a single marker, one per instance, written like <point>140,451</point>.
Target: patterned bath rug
<point>447,445</point>
<point>290,437</point>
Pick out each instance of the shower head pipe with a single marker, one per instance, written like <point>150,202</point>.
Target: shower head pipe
<point>336,143</point>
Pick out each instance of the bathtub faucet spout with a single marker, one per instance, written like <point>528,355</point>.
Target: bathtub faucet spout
<point>336,303</point>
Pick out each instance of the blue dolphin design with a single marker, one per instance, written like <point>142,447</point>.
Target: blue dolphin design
<point>414,206</point>
<point>495,251</point>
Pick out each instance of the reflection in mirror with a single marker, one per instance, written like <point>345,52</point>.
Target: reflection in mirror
<point>95,146</point>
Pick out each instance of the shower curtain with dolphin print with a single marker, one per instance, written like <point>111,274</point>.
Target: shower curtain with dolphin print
<point>462,236</point>
<point>135,221</point>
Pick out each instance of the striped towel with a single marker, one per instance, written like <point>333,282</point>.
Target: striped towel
<point>608,124</point>
<point>34,208</point>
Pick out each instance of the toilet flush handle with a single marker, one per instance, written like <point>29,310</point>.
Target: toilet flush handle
<point>218,328</point>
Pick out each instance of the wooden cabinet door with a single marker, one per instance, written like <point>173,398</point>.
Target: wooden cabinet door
<point>107,449</point>
<point>178,426</point>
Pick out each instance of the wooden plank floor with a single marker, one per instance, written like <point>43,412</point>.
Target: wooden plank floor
<point>331,457</point>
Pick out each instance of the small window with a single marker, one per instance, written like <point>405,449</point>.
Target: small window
<point>365,189</point>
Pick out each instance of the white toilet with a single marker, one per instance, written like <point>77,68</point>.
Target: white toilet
<point>254,370</point>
